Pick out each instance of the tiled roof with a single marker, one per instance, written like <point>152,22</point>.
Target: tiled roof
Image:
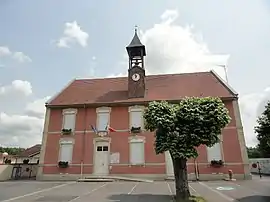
<point>158,87</point>
<point>30,151</point>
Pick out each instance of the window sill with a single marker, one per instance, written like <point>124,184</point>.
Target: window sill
<point>68,134</point>
<point>137,165</point>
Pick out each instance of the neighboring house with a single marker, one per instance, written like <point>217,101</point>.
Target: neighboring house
<point>119,103</point>
<point>31,154</point>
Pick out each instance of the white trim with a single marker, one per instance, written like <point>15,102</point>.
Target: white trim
<point>61,91</point>
<point>102,139</point>
<point>136,108</point>
<point>69,111</point>
<point>220,150</point>
<point>103,110</point>
<point>136,139</point>
<point>66,141</point>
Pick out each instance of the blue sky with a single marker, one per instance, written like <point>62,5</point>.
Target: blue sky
<point>180,36</point>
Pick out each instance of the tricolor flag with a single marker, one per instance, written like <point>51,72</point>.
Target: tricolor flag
<point>110,129</point>
<point>94,129</point>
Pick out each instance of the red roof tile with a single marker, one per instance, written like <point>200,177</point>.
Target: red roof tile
<point>30,151</point>
<point>158,87</point>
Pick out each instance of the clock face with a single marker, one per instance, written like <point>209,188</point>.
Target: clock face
<point>136,77</point>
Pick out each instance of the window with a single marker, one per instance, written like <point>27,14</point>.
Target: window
<point>136,152</point>
<point>69,119</point>
<point>103,120</point>
<point>214,153</point>
<point>99,148</point>
<point>136,116</point>
<point>104,148</point>
<point>66,150</point>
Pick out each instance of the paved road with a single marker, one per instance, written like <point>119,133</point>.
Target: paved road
<point>244,191</point>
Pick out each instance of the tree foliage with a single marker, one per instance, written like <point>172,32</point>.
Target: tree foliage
<point>263,132</point>
<point>254,152</point>
<point>182,127</point>
<point>11,150</point>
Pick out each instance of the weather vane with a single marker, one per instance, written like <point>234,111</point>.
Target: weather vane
<point>136,28</point>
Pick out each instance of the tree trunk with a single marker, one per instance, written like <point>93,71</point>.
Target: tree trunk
<point>181,179</point>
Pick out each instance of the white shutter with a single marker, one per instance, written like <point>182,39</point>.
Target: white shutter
<point>66,151</point>
<point>136,118</point>
<point>103,120</point>
<point>69,121</point>
<point>214,153</point>
<point>136,153</point>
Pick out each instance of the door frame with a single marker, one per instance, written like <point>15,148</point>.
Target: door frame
<point>96,140</point>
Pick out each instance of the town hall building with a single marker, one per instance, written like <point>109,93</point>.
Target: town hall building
<point>95,127</point>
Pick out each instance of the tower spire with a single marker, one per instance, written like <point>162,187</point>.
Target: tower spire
<point>136,29</point>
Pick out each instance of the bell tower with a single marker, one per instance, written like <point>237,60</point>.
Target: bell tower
<point>136,72</point>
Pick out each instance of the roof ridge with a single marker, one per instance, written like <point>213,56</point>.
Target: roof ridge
<point>150,75</point>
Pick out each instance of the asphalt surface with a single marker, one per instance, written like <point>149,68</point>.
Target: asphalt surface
<point>257,190</point>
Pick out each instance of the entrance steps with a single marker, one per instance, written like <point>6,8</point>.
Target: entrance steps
<point>111,179</point>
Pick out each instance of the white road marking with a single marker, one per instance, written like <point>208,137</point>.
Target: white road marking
<point>170,190</point>
<point>217,192</point>
<point>194,190</point>
<point>133,188</point>
<point>90,192</point>
<point>37,192</point>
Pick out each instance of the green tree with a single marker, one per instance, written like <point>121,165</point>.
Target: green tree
<point>181,128</point>
<point>263,132</point>
<point>253,152</point>
<point>11,150</point>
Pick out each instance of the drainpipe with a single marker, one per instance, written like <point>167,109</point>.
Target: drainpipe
<point>83,140</point>
<point>196,168</point>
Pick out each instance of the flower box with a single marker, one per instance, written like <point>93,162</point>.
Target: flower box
<point>62,164</point>
<point>25,161</point>
<point>135,130</point>
<point>66,131</point>
<point>217,163</point>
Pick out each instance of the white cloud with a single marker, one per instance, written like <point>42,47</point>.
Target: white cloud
<point>4,51</point>
<point>37,107</point>
<point>116,75</point>
<point>18,56</point>
<point>17,87</point>
<point>73,34</point>
<point>23,129</point>
<point>172,48</point>
<point>251,106</point>
<point>20,130</point>
<point>21,57</point>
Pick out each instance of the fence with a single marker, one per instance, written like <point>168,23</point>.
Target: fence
<point>264,164</point>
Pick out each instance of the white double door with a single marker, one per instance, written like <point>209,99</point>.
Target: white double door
<point>101,158</point>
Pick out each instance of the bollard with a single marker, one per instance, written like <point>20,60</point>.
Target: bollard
<point>259,169</point>
<point>230,174</point>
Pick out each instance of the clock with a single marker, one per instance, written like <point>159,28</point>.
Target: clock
<point>136,77</point>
